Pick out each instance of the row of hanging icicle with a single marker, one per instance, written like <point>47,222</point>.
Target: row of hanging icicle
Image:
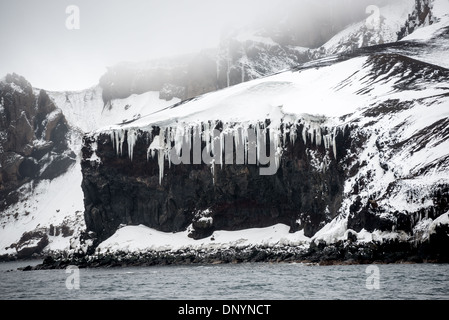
<point>178,137</point>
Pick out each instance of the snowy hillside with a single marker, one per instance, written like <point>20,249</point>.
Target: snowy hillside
<point>87,111</point>
<point>50,213</point>
<point>385,25</point>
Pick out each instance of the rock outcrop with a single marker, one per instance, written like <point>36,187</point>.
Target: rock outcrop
<point>33,142</point>
<point>422,15</point>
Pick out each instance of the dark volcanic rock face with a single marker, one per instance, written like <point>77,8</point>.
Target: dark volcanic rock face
<point>123,191</point>
<point>33,142</point>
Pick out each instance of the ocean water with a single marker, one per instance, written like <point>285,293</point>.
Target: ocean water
<point>249,281</point>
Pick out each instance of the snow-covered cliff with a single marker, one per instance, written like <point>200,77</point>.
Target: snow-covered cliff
<point>375,115</point>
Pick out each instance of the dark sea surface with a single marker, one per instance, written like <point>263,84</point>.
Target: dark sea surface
<point>248,281</point>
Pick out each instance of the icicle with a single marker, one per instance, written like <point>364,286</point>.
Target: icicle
<point>327,141</point>
<point>170,137</point>
<point>212,138</point>
<point>206,136</point>
<point>171,134</point>
<point>112,135</point>
<point>161,154</point>
<point>245,143</point>
<point>222,145</point>
<point>293,134</point>
<point>153,147</point>
<point>169,144</point>
<point>119,139</point>
<point>237,137</point>
<point>240,145</point>
<point>275,137</point>
<point>196,146</point>
<point>187,142</point>
<point>131,139</point>
<point>180,148</point>
<point>259,142</point>
<point>284,133</point>
<point>304,134</point>
<point>178,139</point>
<point>318,136</point>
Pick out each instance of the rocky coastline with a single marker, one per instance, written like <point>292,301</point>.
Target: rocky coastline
<point>347,252</point>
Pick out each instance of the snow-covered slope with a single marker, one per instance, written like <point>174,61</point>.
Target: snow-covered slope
<point>380,27</point>
<point>385,24</point>
<point>81,108</point>
<point>287,93</point>
<point>53,208</point>
<point>434,50</point>
<point>86,110</point>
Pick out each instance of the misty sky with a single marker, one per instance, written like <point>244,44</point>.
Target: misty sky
<point>35,42</point>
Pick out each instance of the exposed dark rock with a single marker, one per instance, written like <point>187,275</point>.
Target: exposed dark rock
<point>121,191</point>
<point>58,165</point>
<point>352,236</point>
<point>33,136</point>
<point>31,243</point>
<point>29,168</point>
<point>367,219</point>
<point>42,149</point>
<point>404,222</point>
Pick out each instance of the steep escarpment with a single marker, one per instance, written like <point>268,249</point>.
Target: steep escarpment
<point>302,193</point>
<point>33,141</point>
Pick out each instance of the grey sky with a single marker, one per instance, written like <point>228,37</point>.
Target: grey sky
<point>35,42</point>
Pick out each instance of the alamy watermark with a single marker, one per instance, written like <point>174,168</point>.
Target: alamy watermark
<point>373,21</point>
<point>73,280</point>
<point>72,22</point>
<point>73,19</point>
<point>373,280</point>
<point>238,146</point>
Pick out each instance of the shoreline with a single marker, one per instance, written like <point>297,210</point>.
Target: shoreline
<point>340,253</point>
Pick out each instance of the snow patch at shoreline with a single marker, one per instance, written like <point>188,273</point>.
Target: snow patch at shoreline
<point>142,238</point>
